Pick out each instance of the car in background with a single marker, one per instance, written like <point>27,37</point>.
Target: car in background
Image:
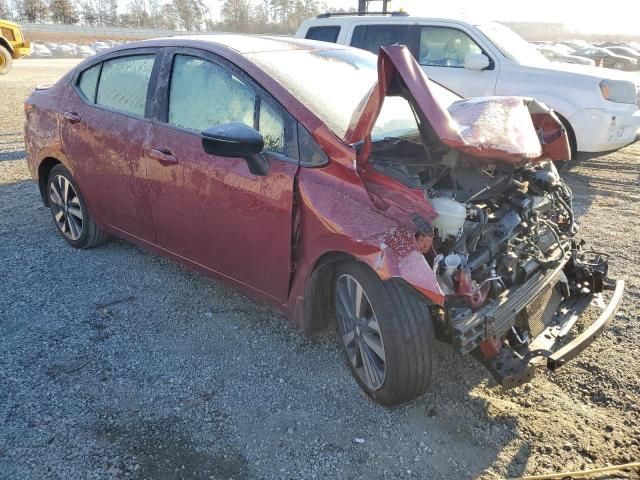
<point>336,186</point>
<point>13,45</point>
<point>599,107</point>
<point>603,57</point>
<point>38,50</point>
<point>62,50</point>
<point>99,46</point>
<point>625,51</point>
<point>84,51</point>
<point>556,54</point>
<point>575,44</point>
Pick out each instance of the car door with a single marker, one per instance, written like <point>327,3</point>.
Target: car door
<point>441,54</point>
<point>104,124</point>
<point>212,210</point>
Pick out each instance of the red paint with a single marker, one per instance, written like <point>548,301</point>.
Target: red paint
<point>213,215</point>
<point>470,290</point>
<point>491,347</point>
<point>517,144</point>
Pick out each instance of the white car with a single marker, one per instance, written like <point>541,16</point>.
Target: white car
<point>599,107</point>
<point>84,51</point>
<point>39,50</point>
<point>99,46</point>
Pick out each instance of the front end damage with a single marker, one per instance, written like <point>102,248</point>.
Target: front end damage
<point>495,221</point>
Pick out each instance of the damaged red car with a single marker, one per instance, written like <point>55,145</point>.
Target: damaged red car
<point>338,187</point>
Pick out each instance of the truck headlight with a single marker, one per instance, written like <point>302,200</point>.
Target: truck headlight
<point>618,91</point>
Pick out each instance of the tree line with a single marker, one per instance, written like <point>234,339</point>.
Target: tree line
<point>248,16</point>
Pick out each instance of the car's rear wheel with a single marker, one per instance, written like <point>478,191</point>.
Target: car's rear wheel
<point>618,66</point>
<point>69,211</point>
<point>5,60</point>
<point>386,334</point>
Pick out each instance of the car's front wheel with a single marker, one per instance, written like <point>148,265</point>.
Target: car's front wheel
<point>618,66</point>
<point>386,334</point>
<point>70,213</point>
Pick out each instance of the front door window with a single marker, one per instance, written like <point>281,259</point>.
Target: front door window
<point>445,47</point>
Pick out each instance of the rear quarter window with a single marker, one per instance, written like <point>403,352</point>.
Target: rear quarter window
<point>324,34</point>
<point>88,82</point>
<point>124,82</point>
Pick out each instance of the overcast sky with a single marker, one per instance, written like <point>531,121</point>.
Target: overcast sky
<point>617,16</point>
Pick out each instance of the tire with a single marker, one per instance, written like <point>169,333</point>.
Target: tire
<point>563,165</point>
<point>6,61</point>
<point>618,66</point>
<point>404,330</point>
<point>69,211</point>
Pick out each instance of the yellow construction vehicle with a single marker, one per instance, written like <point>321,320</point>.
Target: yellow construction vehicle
<point>12,45</point>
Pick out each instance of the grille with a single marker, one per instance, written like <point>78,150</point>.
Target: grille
<point>8,34</point>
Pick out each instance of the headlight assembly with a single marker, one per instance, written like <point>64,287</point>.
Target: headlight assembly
<point>618,91</point>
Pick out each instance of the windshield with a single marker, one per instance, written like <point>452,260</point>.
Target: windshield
<point>512,45</point>
<point>332,83</point>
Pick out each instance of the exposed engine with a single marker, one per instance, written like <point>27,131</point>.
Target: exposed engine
<point>496,226</point>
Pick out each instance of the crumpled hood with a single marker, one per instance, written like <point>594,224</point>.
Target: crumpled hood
<point>514,130</point>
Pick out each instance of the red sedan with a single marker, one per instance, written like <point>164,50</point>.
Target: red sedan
<point>335,185</point>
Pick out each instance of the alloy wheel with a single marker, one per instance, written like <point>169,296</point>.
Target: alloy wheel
<point>359,331</point>
<point>66,208</point>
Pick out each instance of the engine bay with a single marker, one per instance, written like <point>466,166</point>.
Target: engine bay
<point>496,225</point>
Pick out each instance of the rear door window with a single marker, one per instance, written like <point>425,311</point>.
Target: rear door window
<point>324,34</point>
<point>372,37</point>
<point>124,83</point>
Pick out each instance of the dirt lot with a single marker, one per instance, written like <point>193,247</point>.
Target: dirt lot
<point>117,363</point>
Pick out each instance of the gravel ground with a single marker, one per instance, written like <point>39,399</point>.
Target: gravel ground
<point>116,363</point>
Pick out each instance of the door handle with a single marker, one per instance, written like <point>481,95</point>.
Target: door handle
<point>164,157</point>
<point>72,117</point>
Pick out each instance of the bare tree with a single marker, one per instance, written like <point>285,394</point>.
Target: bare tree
<point>169,17</point>
<point>88,13</point>
<point>138,13</point>
<point>63,11</point>
<point>102,9</point>
<point>235,15</point>
<point>5,10</point>
<point>33,10</point>
<point>189,14</point>
<point>112,15</point>
<point>155,13</point>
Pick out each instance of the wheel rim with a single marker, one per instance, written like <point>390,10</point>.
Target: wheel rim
<point>66,208</point>
<point>360,332</point>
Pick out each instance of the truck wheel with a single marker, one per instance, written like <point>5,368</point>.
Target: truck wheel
<point>70,213</point>
<point>386,334</point>
<point>5,60</point>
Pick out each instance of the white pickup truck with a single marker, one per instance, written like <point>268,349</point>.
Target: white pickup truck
<point>599,107</point>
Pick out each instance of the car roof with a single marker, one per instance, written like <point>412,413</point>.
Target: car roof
<point>242,44</point>
<point>338,19</point>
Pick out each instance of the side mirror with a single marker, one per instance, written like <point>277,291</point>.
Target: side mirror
<point>476,61</point>
<point>236,140</point>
